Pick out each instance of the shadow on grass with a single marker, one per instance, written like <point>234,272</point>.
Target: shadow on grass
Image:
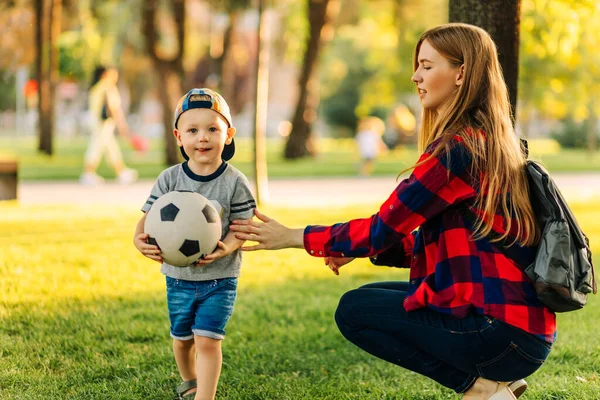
<point>282,343</point>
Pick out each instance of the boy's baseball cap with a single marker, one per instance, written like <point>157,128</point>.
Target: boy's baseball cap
<point>216,103</point>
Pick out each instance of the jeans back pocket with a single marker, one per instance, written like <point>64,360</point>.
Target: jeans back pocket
<point>512,364</point>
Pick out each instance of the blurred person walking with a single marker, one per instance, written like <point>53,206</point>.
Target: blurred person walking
<point>106,114</point>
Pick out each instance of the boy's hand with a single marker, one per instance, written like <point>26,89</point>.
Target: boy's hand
<point>221,251</point>
<point>335,263</point>
<point>149,250</point>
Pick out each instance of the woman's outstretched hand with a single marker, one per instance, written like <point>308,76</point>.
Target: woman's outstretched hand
<point>268,233</point>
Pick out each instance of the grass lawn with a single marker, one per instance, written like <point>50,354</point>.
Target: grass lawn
<point>337,157</point>
<point>83,316</point>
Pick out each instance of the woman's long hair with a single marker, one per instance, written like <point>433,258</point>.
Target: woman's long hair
<point>481,103</point>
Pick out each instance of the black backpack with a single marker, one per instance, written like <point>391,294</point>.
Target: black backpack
<point>562,272</point>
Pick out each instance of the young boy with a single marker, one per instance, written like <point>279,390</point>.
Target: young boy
<point>200,297</point>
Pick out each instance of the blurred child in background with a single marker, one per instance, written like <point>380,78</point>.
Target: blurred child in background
<point>370,143</point>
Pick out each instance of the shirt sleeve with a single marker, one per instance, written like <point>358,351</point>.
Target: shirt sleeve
<point>242,202</point>
<point>397,255</point>
<point>161,186</point>
<point>434,185</point>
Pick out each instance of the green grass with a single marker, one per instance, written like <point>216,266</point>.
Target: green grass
<point>83,316</point>
<point>337,157</point>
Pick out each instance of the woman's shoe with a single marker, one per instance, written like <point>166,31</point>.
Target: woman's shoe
<point>485,389</point>
<point>503,393</point>
<point>518,387</point>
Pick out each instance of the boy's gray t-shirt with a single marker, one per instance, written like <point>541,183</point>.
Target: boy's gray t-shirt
<point>229,191</point>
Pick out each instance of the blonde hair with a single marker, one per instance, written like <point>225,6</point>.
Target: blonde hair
<point>481,103</point>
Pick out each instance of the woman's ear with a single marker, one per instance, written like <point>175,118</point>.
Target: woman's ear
<point>461,75</point>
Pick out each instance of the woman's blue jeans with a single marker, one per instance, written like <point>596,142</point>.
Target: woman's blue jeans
<point>453,352</point>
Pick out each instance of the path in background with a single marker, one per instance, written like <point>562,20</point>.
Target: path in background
<point>289,193</point>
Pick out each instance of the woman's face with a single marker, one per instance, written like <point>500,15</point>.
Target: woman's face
<point>435,77</point>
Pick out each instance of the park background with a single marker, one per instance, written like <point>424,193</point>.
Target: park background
<point>83,315</point>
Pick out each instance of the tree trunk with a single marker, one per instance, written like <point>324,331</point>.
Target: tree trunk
<point>321,14</point>
<point>48,14</point>
<point>501,19</point>
<point>592,131</point>
<point>40,67</point>
<point>228,68</point>
<point>260,113</point>
<point>169,71</point>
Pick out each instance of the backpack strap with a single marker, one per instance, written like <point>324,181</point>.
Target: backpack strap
<point>594,285</point>
<point>525,148</point>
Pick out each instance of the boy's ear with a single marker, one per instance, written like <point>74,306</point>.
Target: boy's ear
<point>176,134</point>
<point>230,134</point>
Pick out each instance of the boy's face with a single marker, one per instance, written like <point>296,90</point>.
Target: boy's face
<point>203,133</point>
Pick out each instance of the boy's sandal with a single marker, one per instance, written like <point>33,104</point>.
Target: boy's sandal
<point>184,387</point>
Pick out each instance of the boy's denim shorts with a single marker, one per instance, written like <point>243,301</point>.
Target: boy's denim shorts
<point>200,308</point>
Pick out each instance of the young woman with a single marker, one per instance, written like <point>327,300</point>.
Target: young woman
<point>106,113</point>
<point>469,317</point>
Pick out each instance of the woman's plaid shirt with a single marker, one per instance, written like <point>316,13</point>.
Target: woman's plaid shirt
<point>450,272</point>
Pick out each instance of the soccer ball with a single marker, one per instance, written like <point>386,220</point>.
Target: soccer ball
<point>184,225</point>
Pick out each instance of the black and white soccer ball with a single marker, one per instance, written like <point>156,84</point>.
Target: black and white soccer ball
<point>184,225</point>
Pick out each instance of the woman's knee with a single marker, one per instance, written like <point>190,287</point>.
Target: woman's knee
<point>344,310</point>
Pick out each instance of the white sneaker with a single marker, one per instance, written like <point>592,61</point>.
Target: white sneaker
<point>127,176</point>
<point>91,179</point>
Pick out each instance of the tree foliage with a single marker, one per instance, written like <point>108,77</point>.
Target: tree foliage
<point>368,66</point>
<point>17,39</point>
<point>365,69</point>
<point>560,62</point>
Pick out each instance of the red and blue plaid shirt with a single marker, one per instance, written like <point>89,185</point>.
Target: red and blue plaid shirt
<point>450,272</point>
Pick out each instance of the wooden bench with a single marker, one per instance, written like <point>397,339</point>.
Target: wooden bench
<point>8,179</point>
